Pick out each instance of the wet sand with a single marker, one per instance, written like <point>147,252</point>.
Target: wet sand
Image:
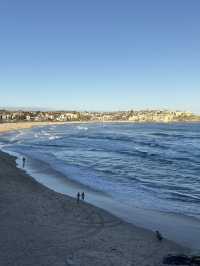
<point>41,227</point>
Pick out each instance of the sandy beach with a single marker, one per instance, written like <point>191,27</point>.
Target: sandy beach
<point>41,227</point>
<point>4,127</point>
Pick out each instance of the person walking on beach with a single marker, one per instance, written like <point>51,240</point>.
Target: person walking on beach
<point>24,161</point>
<point>83,196</point>
<point>78,197</point>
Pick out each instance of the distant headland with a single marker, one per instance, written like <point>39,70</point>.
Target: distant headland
<point>142,116</point>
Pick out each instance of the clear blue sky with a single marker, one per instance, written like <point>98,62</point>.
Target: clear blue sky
<point>100,54</point>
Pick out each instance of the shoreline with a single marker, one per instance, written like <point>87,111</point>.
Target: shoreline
<point>39,226</point>
<point>6,127</point>
<point>12,126</point>
<point>182,229</point>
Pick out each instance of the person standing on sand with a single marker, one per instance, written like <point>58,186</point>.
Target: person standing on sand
<point>78,197</point>
<point>24,161</point>
<point>83,196</point>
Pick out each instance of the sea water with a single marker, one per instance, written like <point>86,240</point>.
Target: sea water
<point>150,166</point>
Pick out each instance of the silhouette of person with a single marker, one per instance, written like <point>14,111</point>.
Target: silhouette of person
<point>159,236</point>
<point>24,161</point>
<point>83,196</point>
<point>78,197</point>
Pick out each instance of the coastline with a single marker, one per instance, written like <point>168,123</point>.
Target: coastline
<point>5,127</point>
<point>182,229</point>
<point>41,227</point>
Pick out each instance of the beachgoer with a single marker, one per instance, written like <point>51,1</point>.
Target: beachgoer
<point>24,161</point>
<point>83,196</point>
<point>159,236</point>
<point>78,197</point>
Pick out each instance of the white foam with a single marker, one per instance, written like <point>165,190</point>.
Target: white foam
<point>54,137</point>
<point>44,133</point>
<point>82,128</point>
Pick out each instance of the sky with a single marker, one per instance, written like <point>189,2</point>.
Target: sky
<point>100,55</point>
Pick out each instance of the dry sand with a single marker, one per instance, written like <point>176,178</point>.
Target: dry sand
<point>41,227</point>
<point>4,127</point>
<point>25,125</point>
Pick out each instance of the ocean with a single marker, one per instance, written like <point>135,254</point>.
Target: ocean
<point>147,166</point>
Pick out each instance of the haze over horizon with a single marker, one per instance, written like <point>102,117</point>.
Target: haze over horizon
<point>100,55</point>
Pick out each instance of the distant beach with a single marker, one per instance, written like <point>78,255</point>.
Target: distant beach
<point>41,227</point>
<point>4,127</point>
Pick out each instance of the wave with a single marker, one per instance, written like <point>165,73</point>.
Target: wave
<point>167,135</point>
<point>118,139</point>
<point>134,153</point>
<point>181,136</point>
<point>184,197</point>
<point>146,161</point>
<point>82,128</point>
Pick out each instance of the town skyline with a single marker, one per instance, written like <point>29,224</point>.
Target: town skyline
<point>135,116</point>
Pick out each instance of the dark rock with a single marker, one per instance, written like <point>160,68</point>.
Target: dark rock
<point>177,260</point>
<point>195,260</point>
